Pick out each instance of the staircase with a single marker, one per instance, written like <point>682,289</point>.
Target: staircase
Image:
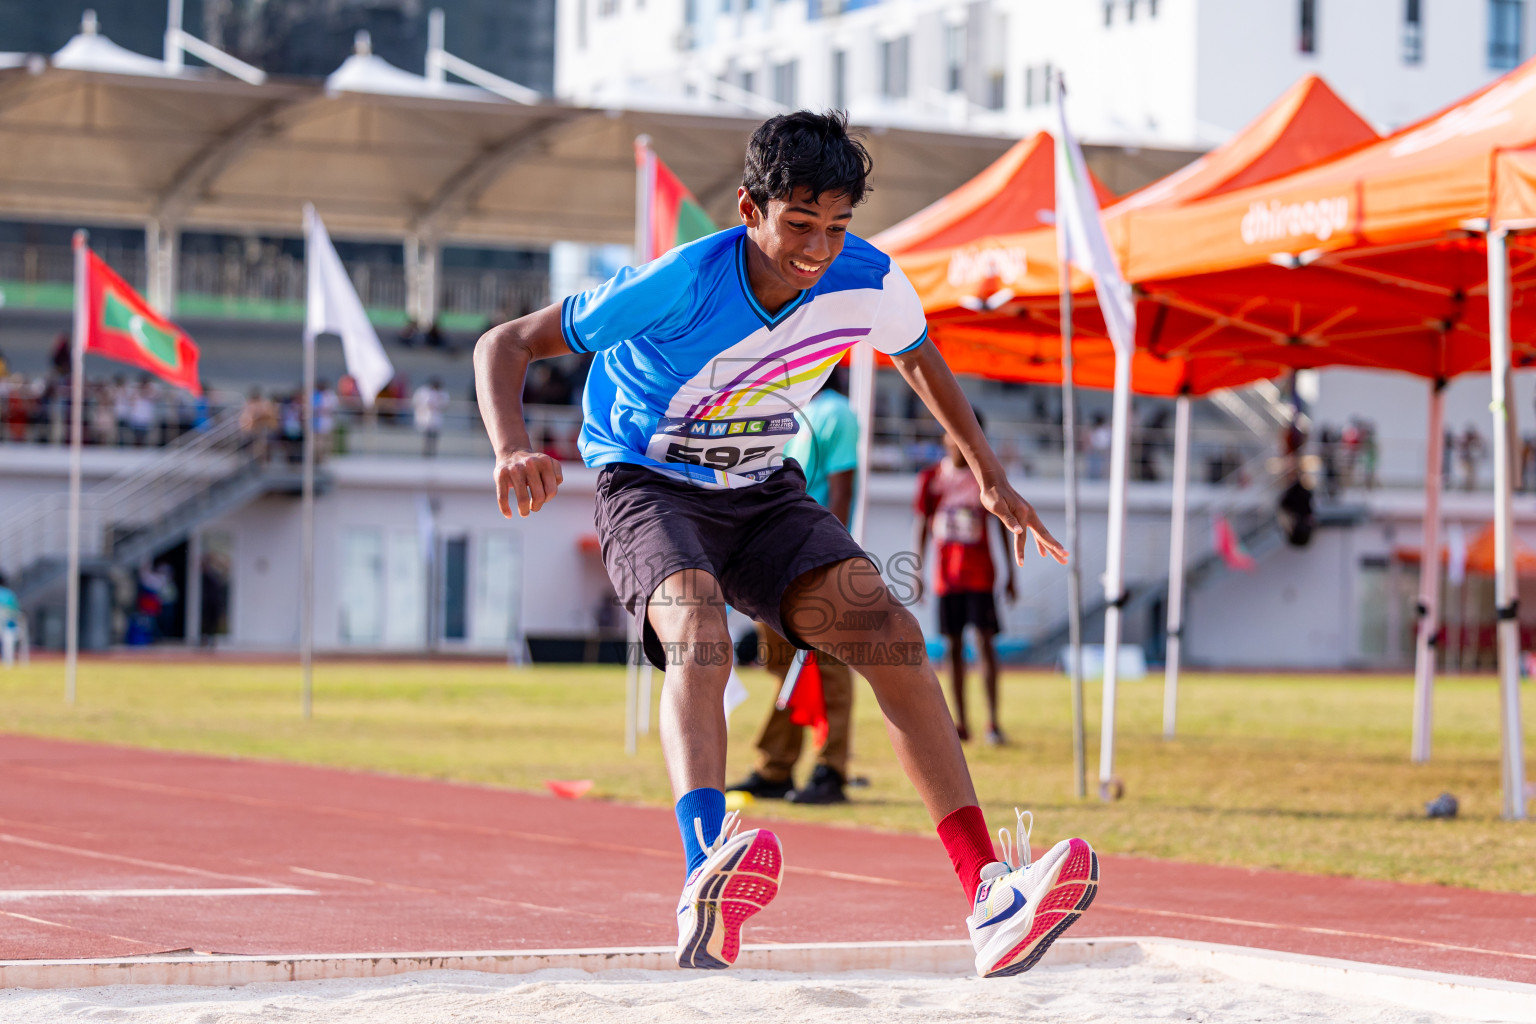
<point>1260,407</point>
<point>140,512</point>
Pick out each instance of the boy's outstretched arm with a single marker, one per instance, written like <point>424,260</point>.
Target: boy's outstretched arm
<point>927,373</point>
<point>523,476</point>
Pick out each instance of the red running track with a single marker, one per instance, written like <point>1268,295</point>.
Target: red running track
<point>314,860</point>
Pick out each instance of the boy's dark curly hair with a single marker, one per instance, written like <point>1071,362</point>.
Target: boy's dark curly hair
<point>806,150</point>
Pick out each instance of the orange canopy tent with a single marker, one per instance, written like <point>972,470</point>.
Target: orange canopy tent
<point>958,261</point>
<point>1374,258</point>
<point>1403,254</point>
<point>1482,558</point>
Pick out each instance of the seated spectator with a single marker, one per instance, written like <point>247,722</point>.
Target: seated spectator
<point>429,402</point>
<point>410,335</point>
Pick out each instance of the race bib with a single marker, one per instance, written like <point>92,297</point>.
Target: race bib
<point>750,448</point>
<point>961,524</point>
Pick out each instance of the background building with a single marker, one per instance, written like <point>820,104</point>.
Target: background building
<point>1180,74</point>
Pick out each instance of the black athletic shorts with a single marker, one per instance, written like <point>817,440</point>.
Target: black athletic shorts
<point>967,608</point>
<point>754,540</point>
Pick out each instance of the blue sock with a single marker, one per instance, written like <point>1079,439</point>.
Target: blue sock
<point>707,805</point>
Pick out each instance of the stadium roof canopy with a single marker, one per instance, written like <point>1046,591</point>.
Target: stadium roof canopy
<point>196,151</point>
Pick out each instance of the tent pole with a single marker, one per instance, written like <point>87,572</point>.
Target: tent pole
<point>1114,567</point>
<point>307,507</point>
<point>1505,585</point>
<point>76,430</point>
<point>634,651</point>
<point>1429,583</point>
<point>1176,568</point>
<point>1074,572</point>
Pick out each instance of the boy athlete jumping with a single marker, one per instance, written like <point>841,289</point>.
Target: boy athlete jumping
<point>703,360</point>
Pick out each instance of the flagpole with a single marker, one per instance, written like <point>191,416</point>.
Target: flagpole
<point>1074,572</point>
<point>307,506</point>
<point>1506,586</point>
<point>1176,568</point>
<point>1429,584</point>
<point>76,428</point>
<point>645,184</point>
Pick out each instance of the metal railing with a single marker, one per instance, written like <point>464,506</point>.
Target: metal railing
<point>141,494</point>
<point>269,275</point>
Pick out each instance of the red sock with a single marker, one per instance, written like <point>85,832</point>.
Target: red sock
<point>964,835</point>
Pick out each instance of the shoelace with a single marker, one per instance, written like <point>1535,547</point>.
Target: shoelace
<point>728,829</point>
<point>1010,850</point>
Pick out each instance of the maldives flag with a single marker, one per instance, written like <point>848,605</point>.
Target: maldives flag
<point>807,704</point>
<point>668,214</point>
<point>121,326</point>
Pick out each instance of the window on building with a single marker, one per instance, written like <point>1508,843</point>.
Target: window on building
<point>607,8</point>
<point>1130,10</point>
<point>954,57</point>
<point>1047,82</point>
<point>691,12</point>
<point>784,76</point>
<point>1506,29</point>
<point>725,6</point>
<point>894,55</point>
<point>1307,42</point>
<point>1151,8</point>
<point>749,81</point>
<point>750,5</point>
<point>1029,86</point>
<point>997,84</point>
<point>494,614</point>
<point>1413,32</point>
<point>840,79</point>
<point>1109,13</point>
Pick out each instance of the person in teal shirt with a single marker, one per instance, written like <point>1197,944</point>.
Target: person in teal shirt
<point>827,449</point>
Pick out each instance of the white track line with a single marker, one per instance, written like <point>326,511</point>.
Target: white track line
<point>79,851</point>
<point>7,895</point>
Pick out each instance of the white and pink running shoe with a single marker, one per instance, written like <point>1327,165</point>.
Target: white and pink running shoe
<point>1021,908</point>
<point>740,878</point>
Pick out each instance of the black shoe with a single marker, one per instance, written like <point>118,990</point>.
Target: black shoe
<point>763,789</point>
<point>825,787</point>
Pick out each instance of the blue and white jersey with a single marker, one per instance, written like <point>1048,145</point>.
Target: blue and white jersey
<point>695,378</point>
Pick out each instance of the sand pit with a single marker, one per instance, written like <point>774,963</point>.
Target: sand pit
<point>1125,986</point>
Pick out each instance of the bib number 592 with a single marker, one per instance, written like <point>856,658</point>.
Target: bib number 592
<point>722,457</point>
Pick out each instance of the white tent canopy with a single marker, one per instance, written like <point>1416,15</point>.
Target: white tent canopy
<point>91,51</point>
<point>206,152</point>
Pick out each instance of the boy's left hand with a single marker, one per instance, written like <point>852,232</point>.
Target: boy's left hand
<point>1021,519</point>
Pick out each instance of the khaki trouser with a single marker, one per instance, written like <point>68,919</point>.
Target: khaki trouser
<point>779,743</point>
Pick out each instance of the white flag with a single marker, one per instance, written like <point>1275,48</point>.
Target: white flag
<point>334,308</point>
<point>1077,217</point>
<point>735,692</point>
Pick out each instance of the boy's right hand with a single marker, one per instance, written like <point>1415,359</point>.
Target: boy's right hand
<point>529,478</point>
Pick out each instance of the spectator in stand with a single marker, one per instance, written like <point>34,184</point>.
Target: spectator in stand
<point>1368,453</point>
<point>100,425</point>
<point>1100,438</point>
<point>142,410</point>
<point>949,510</point>
<point>429,402</point>
<point>258,422</point>
<point>1471,450</point>
<point>122,404</point>
<point>1328,441</point>
<point>437,338</point>
<point>1448,457</point>
<point>326,405</point>
<point>61,358</point>
<point>410,335</point>
<point>291,423</point>
<point>351,399</point>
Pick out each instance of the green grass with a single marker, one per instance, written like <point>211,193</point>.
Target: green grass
<point>1307,773</point>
